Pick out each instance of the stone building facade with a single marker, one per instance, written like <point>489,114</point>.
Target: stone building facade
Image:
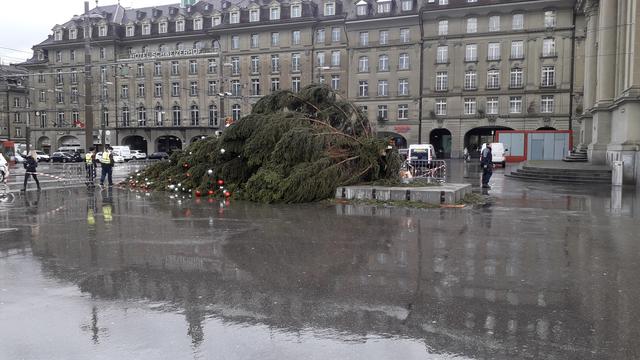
<point>611,117</point>
<point>449,72</point>
<point>15,104</point>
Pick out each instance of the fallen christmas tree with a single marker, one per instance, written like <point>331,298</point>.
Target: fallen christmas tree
<point>292,148</point>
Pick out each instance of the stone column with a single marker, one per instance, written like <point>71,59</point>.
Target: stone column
<point>605,90</point>
<point>590,68</point>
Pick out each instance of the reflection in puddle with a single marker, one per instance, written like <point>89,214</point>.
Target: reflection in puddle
<point>474,283</point>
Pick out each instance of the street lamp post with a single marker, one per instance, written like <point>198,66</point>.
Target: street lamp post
<point>28,130</point>
<point>88,79</point>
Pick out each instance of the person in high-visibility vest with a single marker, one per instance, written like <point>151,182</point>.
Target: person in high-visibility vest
<point>89,164</point>
<point>107,165</point>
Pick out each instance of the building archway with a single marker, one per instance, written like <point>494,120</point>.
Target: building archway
<point>168,143</point>
<point>441,140</point>
<point>135,142</point>
<point>546,128</point>
<point>68,140</point>
<point>399,141</point>
<point>475,137</point>
<point>44,144</point>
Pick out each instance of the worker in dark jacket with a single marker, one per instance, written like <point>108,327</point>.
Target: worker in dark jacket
<point>30,165</point>
<point>486,161</point>
<point>107,165</point>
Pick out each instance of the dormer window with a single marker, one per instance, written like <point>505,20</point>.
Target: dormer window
<point>197,23</point>
<point>146,29</point>
<point>329,9</point>
<point>180,25</point>
<point>406,5</point>
<point>274,13</point>
<point>361,8</point>
<point>162,27</point>
<point>254,15</point>
<point>102,30</point>
<point>235,17</point>
<point>296,10</point>
<point>217,20</point>
<point>384,6</point>
<point>57,35</point>
<point>73,34</point>
<point>130,30</point>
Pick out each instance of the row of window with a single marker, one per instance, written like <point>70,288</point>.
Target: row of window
<point>494,51</point>
<point>383,63</point>
<point>362,9</point>
<point>470,106</point>
<point>159,118</point>
<point>255,89</point>
<point>17,102</point>
<point>494,24</point>
<point>383,37</point>
<point>516,79</point>
<point>442,52</point>
<point>383,88</point>
<point>197,23</point>
<point>382,7</point>
<point>383,112</point>
<point>176,116</point>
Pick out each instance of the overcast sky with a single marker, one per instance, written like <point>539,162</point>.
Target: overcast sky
<point>24,24</point>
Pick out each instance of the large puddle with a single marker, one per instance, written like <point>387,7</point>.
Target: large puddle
<point>125,275</point>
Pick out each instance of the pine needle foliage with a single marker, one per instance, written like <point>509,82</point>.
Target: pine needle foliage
<point>292,148</point>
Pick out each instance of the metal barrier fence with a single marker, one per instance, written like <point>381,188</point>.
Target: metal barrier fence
<point>426,169</point>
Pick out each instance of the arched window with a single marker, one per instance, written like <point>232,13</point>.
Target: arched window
<point>198,45</point>
<point>213,115</point>
<point>195,115</point>
<point>142,116</point>
<point>159,115</point>
<point>125,117</point>
<point>235,112</point>
<point>176,115</point>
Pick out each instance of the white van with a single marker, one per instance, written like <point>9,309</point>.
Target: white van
<point>421,152</point>
<point>123,151</point>
<point>497,153</point>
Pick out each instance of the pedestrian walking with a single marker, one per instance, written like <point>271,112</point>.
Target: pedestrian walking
<point>486,161</point>
<point>465,154</point>
<point>31,166</point>
<point>89,164</point>
<point>106,161</point>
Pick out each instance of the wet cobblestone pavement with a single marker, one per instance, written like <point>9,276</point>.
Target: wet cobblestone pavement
<point>541,272</point>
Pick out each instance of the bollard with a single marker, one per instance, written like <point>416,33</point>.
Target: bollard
<point>616,173</point>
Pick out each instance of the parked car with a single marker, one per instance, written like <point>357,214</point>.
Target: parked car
<point>61,157</point>
<point>75,156</point>
<point>138,155</point>
<point>158,156</point>
<point>42,156</point>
